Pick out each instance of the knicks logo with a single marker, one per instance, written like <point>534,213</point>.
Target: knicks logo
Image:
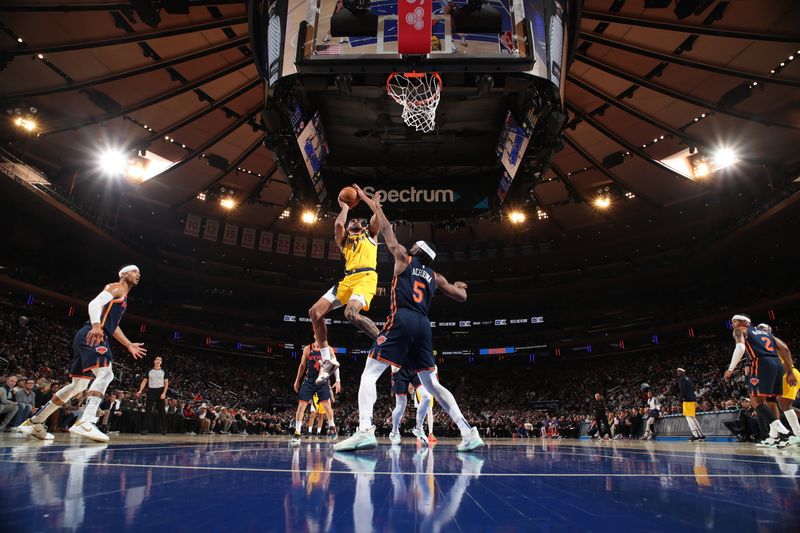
<point>753,381</point>
<point>101,350</point>
<point>380,340</point>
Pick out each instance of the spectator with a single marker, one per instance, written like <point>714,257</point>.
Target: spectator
<point>23,409</point>
<point>8,407</point>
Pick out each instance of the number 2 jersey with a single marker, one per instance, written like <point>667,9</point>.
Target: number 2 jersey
<point>760,343</point>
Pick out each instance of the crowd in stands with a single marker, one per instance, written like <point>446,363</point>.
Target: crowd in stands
<point>233,394</point>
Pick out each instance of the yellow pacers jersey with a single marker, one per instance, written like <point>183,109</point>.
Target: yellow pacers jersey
<point>359,251</point>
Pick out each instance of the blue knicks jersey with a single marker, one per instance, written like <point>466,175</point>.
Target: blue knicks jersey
<point>112,314</point>
<point>760,343</point>
<point>414,287</point>
<point>313,362</point>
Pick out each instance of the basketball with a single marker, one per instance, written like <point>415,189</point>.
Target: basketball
<point>349,195</point>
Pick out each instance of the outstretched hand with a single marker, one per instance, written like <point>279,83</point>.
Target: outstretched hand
<point>136,349</point>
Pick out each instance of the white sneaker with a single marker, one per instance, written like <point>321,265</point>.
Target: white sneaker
<point>473,441</point>
<point>395,438</point>
<point>361,440</point>
<point>295,440</point>
<point>40,432</point>
<point>326,370</point>
<point>767,443</point>
<point>89,430</point>
<point>794,440</point>
<point>420,434</point>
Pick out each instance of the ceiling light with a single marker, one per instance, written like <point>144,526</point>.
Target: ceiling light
<point>602,202</point>
<point>227,203</point>
<point>701,170</point>
<point>724,157</point>
<point>516,217</point>
<point>201,196</point>
<point>113,162</point>
<point>40,56</point>
<point>19,39</point>
<point>629,195</point>
<point>309,217</point>
<point>25,123</point>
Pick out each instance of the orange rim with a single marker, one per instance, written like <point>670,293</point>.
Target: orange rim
<point>415,103</point>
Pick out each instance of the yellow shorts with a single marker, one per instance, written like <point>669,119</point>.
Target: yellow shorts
<point>360,286</point>
<point>791,392</point>
<point>318,407</point>
<point>689,408</point>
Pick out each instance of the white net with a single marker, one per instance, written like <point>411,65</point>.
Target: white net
<point>418,93</point>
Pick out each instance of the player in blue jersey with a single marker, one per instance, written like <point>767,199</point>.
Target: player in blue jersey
<point>406,338</point>
<point>310,365</point>
<point>765,378</point>
<point>91,358</point>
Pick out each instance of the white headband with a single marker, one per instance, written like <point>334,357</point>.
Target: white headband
<point>427,249</point>
<point>743,318</point>
<point>681,370</point>
<point>128,268</point>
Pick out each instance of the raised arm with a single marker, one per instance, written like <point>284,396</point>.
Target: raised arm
<point>339,230</point>
<point>457,291</point>
<point>398,250</point>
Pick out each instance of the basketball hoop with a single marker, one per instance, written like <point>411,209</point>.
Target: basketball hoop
<point>418,93</point>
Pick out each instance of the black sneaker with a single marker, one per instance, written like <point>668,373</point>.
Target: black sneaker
<point>693,438</point>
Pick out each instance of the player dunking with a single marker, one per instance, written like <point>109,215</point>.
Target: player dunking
<point>309,366</point>
<point>92,358</point>
<point>766,376</point>
<point>406,338</point>
<point>359,245</point>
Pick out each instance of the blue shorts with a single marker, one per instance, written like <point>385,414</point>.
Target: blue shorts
<point>406,341</point>
<point>308,389</point>
<point>85,358</point>
<point>402,378</point>
<point>766,377</point>
<point>652,413</point>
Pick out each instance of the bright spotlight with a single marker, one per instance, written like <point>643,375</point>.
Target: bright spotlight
<point>724,157</point>
<point>702,170</point>
<point>309,217</point>
<point>113,162</point>
<point>516,217</point>
<point>227,203</point>
<point>602,202</point>
<point>26,124</point>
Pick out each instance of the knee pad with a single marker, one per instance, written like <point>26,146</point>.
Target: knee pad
<point>103,378</point>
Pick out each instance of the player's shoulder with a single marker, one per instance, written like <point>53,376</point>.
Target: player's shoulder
<point>116,289</point>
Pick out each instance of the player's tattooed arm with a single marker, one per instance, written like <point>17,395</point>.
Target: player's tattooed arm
<point>457,291</point>
<point>301,368</point>
<point>339,230</point>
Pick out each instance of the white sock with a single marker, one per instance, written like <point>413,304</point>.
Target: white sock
<point>319,430</point>
<point>367,392</point>
<point>400,402</point>
<point>777,427</point>
<point>446,400</point>
<point>791,417</point>
<point>90,411</point>
<point>325,353</point>
<point>422,409</point>
<point>298,426</point>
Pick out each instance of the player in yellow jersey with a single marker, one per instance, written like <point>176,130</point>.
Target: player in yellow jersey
<point>791,385</point>
<point>358,241</point>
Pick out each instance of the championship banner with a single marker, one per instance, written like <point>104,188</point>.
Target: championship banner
<point>248,238</point>
<point>317,248</point>
<point>211,231</point>
<point>230,235</point>
<point>414,26</point>
<point>192,228</point>
<point>283,244</point>
<point>300,246</point>
<point>334,253</point>
<point>265,242</point>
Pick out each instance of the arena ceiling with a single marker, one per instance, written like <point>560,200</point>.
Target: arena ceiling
<point>646,83</point>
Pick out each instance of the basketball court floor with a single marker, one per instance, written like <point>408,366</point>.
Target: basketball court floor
<point>261,484</point>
